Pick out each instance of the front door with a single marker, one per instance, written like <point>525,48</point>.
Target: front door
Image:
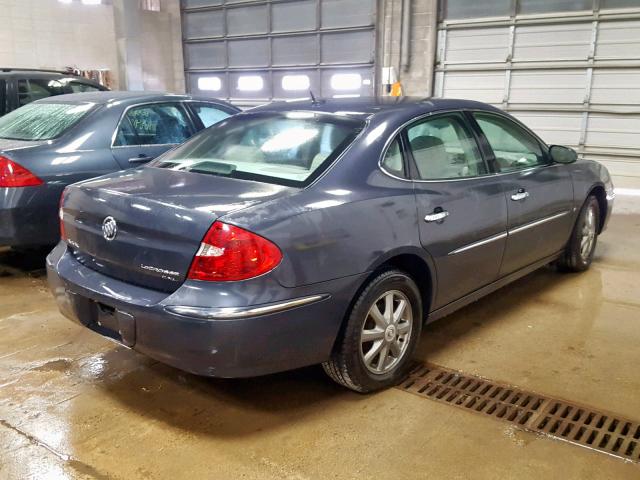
<point>539,193</point>
<point>146,131</point>
<point>461,208</point>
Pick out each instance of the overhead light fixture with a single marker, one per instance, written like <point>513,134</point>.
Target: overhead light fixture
<point>210,83</point>
<point>296,82</point>
<point>250,83</point>
<point>346,81</point>
<point>91,2</point>
<point>65,1</point>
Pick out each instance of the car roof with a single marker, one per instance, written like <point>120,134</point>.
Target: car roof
<point>364,107</point>
<point>124,98</point>
<point>26,72</point>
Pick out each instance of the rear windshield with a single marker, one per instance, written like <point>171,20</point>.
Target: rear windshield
<point>283,148</point>
<point>42,121</point>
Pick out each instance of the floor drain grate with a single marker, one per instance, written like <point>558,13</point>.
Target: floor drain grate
<point>580,425</point>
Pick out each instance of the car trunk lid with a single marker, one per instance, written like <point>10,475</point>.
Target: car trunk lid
<point>159,216</point>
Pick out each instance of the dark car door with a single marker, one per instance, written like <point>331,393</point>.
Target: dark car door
<point>539,193</point>
<point>148,130</point>
<point>461,208</point>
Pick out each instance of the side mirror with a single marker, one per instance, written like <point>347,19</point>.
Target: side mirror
<point>560,154</point>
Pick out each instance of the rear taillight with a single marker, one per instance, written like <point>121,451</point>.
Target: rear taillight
<point>14,175</point>
<point>230,253</point>
<point>63,233</point>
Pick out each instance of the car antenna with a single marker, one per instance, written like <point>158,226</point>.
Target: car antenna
<point>313,98</point>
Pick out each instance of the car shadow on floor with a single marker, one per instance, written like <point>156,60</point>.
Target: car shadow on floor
<point>15,263</point>
<point>232,408</point>
<point>225,407</point>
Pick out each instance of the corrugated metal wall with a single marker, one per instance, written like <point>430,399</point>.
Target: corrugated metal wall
<point>570,69</point>
<point>252,51</point>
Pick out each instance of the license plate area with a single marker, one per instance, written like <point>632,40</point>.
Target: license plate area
<point>115,324</point>
<point>105,319</point>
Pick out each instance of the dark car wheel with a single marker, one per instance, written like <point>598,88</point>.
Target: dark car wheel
<point>375,347</point>
<point>582,244</point>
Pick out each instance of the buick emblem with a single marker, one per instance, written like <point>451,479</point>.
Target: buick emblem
<point>109,229</point>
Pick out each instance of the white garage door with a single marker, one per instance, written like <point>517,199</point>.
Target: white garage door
<point>252,51</point>
<point>570,69</point>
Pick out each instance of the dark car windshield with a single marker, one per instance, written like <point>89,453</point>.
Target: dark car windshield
<point>42,121</point>
<point>284,148</point>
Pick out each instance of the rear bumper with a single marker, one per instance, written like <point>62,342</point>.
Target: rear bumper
<point>221,341</point>
<point>28,216</point>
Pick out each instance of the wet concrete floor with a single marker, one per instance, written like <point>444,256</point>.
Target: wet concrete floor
<point>73,405</point>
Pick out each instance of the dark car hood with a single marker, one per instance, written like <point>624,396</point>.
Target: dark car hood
<point>162,216</point>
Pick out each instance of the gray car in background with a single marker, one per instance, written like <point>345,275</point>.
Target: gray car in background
<point>51,143</point>
<point>321,232</point>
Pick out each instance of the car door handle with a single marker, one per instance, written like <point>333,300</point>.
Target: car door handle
<point>142,158</point>
<point>520,195</point>
<point>436,216</point>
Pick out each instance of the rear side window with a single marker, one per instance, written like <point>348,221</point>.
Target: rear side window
<point>393,161</point>
<point>287,149</point>
<point>156,124</point>
<point>208,113</point>
<point>42,121</point>
<point>79,87</point>
<point>32,89</point>
<point>513,147</point>
<point>444,148</point>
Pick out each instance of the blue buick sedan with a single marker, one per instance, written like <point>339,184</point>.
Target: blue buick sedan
<point>51,143</point>
<point>321,232</point>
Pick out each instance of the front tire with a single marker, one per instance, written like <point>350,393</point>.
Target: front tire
<point>382,330</point>
<point>579,252</point>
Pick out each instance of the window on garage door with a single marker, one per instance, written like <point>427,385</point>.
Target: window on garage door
<point>157,124</point>
<point>513,147</point>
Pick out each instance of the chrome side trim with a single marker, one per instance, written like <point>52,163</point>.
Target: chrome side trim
<point>479,243</point>
<point>535,223</point>
<point>233,313</point>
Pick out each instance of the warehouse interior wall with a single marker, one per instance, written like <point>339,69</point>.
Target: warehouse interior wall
<point>416,78</point>
<point>142,49</point>
<point>69,35</point>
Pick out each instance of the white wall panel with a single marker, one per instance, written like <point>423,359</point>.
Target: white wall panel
<point>552,42</point>
<point>560,128</point>
<point>616,87</point>
<point>617,131</point>
<point>485,87</point>
<point>478,45</point>
<point>548,86</point>
<point>619,40</point>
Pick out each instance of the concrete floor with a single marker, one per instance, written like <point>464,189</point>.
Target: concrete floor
<point>73,405</point>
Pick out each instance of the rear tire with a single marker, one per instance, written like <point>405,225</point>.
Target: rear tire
<point>382,330</point>
<point>578,253</point>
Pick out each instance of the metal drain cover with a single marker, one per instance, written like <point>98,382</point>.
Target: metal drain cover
<point>602,431</point>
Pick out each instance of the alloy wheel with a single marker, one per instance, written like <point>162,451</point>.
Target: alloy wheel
<point>386,332</point>
<point>588,234</point>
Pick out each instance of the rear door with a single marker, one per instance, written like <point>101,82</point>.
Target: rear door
<point>461,208</point>
<point>539,193</point>
<point>148,130</point>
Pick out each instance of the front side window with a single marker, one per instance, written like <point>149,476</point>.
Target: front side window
<point>444,148</point>
<point>42,121</point>
<point>282,148</point>
<point>32,89</point>
<point>156,124</point>
<point>208,113</point>
<point>513,147</point>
